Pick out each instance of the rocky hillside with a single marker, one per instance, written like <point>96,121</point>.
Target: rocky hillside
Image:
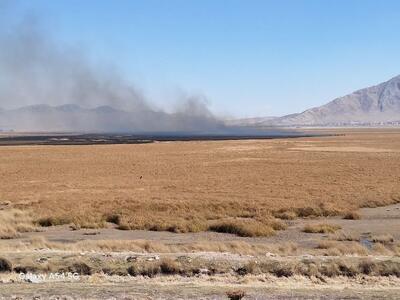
<point>374,105</point>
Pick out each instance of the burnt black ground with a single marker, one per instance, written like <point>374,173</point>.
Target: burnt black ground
<point>138,138</point>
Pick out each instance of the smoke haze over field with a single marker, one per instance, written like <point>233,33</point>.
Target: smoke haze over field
<point>46,86</point>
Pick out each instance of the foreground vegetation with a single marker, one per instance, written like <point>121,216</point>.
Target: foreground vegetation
<point>191,265</point>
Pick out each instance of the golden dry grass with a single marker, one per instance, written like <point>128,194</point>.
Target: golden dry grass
<point>13,222</point>
<point>352,215</point>
<point>186,186</point>
<point>321,228</point>
<point>334,248</point>
<point>145,246</point>
<point>250,228</point>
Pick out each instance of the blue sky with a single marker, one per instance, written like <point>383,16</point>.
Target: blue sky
<point>249,58</point>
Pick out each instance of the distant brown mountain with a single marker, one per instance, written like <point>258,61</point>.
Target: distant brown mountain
<point>374,105</point>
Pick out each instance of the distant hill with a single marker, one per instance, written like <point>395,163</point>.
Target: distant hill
<point>248,121</point>
<point>72,117</point>
<point>376,105</point>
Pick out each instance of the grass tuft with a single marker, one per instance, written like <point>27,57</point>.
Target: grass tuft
<point>383,239</point>
<point>242,227</point>
<point>13,222</point>
<point>169,267</point>
<point>235,295</point>
<point>5,265</point>
<point>321,228</point>
<point>114,218</point>
<point>352,215</point>
<point>52,221</point>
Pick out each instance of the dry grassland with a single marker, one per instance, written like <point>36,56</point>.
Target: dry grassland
<point>228,186</point>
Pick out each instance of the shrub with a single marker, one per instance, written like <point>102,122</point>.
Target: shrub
<point>249,268</point>
<point>13,222</point>
<point>304,212</point>
<point>169,267</point>
<point>347,270</point>
<point>383,239</point>
<point>367,267</point>
<point>282,270</point>
<point>235,295</point>
<point>329,269</point>
<point>5,265</point>
<point>380,249</point>
<point>249,228</point>
<point>149,269</point>
<point>388,268</point>
<point>278,268</point>
<point>51,221</point>
<point>321,228</point>
<point>80,268</point>
<point>352,215</point>
<point>26,269</point>
<point>114,218</point>
<point>342,248</point>
<point>285,215</point>
<point>133,270</point>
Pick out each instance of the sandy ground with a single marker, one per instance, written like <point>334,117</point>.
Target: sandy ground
<point>211,288</point>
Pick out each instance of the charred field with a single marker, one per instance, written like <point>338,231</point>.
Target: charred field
<point>55,139</point>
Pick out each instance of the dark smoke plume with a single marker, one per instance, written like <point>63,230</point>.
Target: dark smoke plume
<point>46,87</point>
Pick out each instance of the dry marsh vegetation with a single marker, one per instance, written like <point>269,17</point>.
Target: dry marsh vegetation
<point>193,266</point>
<point>352,215</point>
<point>383,239</point>
<point>13,222</point>
<point>146,246</point>
<point>334,248</point>
<point>194,186</point>
<point>247,227</point>
<point>321,228</point>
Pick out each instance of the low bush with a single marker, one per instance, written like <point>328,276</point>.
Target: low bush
<point>352,215</point>
<point>321,228</point>
<point>5,265</point>
<point>285,215</point>
<point>169,267</point>
<point>114,218</point>
<point>334,248</point>
<point>249,268</point>
<point>52,221</point>
<point>383,239</point>
<point>246,228</point>
<point>80,268</point>
<point>147,269</point>
<point>235,295</point>
<point>13,222</point>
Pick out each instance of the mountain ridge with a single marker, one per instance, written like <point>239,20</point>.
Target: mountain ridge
<point>375,105</point>
<point>378,104</point>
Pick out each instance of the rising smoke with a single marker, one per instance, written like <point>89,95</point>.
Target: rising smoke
<point>48,87</point>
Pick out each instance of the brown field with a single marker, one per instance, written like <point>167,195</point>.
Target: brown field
<point>196,186</point>
<point>305,217</point>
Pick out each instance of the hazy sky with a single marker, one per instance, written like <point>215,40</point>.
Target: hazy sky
<point>249,58</point>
